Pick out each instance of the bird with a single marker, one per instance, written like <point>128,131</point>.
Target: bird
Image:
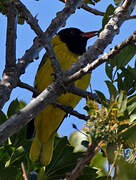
<point>68,45</point>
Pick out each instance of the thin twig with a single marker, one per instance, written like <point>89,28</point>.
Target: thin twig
<point>131,17</point>
<point>83,93</point>
<point>24,171</point>
<point>92,10</point>
<point>71,111</point>
<point>28,87</point>
<point>77,171</point>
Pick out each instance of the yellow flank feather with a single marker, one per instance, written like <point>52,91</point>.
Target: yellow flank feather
<point>47,122</point>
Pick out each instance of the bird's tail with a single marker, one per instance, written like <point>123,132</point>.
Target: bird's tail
<point>42,152</point>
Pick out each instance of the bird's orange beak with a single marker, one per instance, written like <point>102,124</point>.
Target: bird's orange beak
<point>89,34</point>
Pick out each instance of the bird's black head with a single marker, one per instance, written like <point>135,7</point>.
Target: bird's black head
<point>75,39</point>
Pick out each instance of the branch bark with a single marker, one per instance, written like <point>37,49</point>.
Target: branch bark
<point>11,36</point>
<point>77,171</point>
<point>10,74</point>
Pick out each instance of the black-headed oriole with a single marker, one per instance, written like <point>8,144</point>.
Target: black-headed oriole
<point>68,44</point>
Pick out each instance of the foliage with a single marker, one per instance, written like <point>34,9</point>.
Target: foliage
<point>16,150</point>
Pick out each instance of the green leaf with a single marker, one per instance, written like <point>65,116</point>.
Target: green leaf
<point>119,81</point>
<point>88,174</point>
<point>133,116</point>
<point>131,72</point>
<point>108,70</point>
<point>3,117</point>
<point>126,80</point>
<point>122,102</point>
<point>63,161</point>
<point>131,108</point>
<point>98,162</point>
<point>17,155</point>
<point>5,154</point>
<point>131,104</point>
<point>126,170</point>
<point>13,108</point>
<point>8,173</point>
<point>19,138</point>
<point>112,89</point>
<point>102,98</point>
<point>108,13</point>
<point>129,135</point>
<point>124,56</point>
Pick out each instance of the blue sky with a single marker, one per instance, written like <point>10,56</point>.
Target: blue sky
<point>45,11</point>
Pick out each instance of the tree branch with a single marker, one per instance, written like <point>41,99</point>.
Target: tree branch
<point>71,111</point>
<point>28,87</point>
<point>131,17</point>
<point>77,171</point>
<point>92,10</point>
<point>83,93</point>
<point>10,74</point>
<point>89,9</point>
<point>11,36</point>
<point>128,5</point>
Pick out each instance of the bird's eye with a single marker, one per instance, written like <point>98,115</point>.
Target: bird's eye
<point>72,32</point>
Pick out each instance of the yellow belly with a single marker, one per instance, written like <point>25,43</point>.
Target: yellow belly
<point>49,119</point>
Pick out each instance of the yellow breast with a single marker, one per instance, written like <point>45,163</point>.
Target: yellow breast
<point>51,117</point>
